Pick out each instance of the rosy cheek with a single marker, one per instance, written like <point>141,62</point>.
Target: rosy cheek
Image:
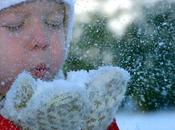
<point>58,56</point>
<point>58,47</point>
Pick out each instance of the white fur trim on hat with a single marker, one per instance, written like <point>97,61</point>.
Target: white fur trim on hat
<point>69,14</point>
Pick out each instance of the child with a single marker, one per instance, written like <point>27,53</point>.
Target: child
<point>34,36</point>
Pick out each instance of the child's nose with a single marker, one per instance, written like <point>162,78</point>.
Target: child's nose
<point>39,38</point>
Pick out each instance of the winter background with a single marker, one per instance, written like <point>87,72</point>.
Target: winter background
<point>140,37</point>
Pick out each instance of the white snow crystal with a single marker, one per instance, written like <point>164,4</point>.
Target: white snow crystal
<point>161,43</point>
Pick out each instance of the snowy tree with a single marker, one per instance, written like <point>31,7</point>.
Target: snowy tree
<point>146,50</point>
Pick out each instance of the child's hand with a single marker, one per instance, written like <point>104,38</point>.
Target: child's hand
<point>105,89</point>
<point>19,96</point>
<point>36,105</point>
<point>83,101</point>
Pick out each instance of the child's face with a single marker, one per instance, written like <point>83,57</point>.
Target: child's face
<point>31,38</point>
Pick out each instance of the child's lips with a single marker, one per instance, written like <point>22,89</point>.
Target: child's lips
<point>39,71</point>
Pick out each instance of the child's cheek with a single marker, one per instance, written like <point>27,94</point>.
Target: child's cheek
<point>8,73</point>
<point>11,62</point>
<point>58,50</point>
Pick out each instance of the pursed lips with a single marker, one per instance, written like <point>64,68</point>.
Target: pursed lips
<point>39,71</point>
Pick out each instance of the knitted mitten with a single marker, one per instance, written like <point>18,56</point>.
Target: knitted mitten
<point>86,100</point>
<point>36,105</point>
<point>105,89</point>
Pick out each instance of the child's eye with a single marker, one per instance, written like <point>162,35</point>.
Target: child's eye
<point>15,27</point>
<point>54,25</point>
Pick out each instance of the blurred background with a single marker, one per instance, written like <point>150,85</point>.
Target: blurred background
<point>138,35</point>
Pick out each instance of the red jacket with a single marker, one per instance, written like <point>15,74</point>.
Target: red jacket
<point>113,126</point>
<point>6,124</point>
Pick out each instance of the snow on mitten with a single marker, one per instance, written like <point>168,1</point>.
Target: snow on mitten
<point>84,101</point>
<point>105,90</point>
<point>56,106</point>
<point>18,96</point>
<point>35,104</point>
<point>109,84</point>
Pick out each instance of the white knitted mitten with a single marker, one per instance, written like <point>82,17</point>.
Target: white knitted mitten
<point>38,105</point>
<point>85,101</point>
<point>105,89</point>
